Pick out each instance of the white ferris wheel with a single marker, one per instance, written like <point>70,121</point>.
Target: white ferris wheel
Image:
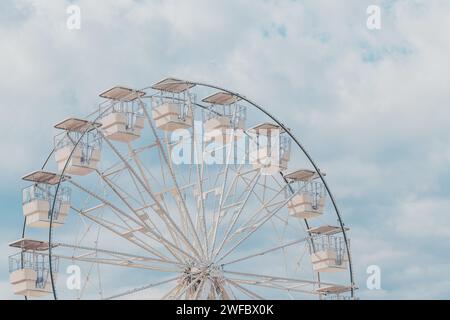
<point>160,194</point>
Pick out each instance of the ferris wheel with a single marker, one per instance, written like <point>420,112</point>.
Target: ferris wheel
<point>160,194</point>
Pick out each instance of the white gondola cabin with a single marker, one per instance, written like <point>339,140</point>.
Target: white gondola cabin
<point>122,119</point>
<point>29,269</point>
<point>173,106</point>
<point>38,199</point>
<point>309,200</point>
<point>328,251</point>
<point>270,148</point>
<point>78,157</point>
<point>225,119</point>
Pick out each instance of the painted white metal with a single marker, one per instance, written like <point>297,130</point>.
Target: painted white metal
<point>191,220</point>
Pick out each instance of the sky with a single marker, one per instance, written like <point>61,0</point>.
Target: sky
<point>371,106</point>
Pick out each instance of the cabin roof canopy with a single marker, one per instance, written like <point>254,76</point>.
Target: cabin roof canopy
<point>327,230</point>
<point>77,125</point>
<point>222,98</point>
<point>122,93</point>
<point>29,244</point>
<point>173,85</point>
<point>334,289</point>
<point>46,177</point>
<point>265,128</point>
<point>301,175</point>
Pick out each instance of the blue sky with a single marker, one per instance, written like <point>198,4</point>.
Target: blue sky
<point>371,106</point>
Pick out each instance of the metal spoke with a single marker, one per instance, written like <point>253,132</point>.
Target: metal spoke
<point>261,253</point>
<point>146,287</point>
<point>114,253</point>
<point>138,243</point>
<point>238,213</point>
<point>160,209</point>
<point>184,208</point>
<point>246,291</point>
<point>201,217</point>
<point>267,284</point>
<point>264,220</point>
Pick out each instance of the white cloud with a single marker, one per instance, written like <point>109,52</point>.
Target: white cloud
<point>425,218</point>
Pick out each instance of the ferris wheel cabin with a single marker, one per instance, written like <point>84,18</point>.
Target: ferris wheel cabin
<point>270,148</point>
<point>310,197</point>
<point>225,118</point>
<point>38,199</point>
<point>173,109</point>
<point>29,270</point>
<point>122,118</point>
<point>327,249</point>
<point>77,148</point>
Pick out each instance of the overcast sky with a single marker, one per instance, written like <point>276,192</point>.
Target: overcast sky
<point>372,106</point>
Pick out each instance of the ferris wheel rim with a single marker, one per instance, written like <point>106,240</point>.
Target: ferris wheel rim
<point>258,107</point>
